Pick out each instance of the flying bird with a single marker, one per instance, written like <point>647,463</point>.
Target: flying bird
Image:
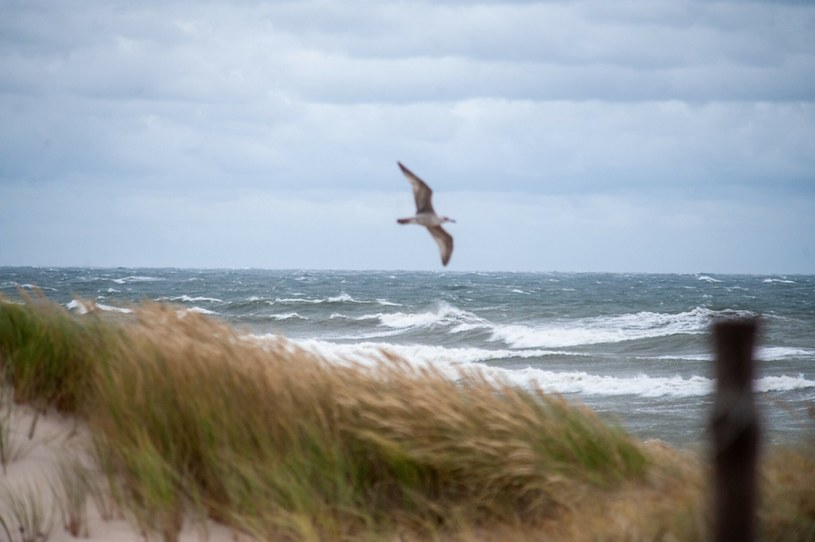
<point>426,216</point>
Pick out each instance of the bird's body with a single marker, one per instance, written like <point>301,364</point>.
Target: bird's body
<point>426,216</point>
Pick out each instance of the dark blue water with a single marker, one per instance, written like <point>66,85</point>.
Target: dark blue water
<point>634,347</point>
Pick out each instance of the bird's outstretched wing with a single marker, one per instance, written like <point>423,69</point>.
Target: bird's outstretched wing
<point>421,192</point>
<point>445,242</point>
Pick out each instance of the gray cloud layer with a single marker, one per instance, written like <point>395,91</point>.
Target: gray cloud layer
<point>676,101</point>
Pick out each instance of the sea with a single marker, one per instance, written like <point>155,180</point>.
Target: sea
<point>635,348</point>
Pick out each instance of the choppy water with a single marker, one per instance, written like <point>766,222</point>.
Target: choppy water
<point>632,346</point>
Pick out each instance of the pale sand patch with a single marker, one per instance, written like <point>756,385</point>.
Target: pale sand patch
<point>33,471</point>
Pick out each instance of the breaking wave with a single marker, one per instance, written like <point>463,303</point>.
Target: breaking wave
<point>451,361</point>
<point>557,333</point>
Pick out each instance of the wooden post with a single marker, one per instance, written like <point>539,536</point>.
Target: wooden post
<point>735,429</point>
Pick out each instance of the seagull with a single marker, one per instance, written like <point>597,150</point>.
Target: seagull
<point>426,216</point>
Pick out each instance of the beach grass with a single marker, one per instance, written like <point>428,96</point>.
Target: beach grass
<point>24,514</point>
<point>191,419</point>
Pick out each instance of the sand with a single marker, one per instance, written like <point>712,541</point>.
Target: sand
<point>32,472</point>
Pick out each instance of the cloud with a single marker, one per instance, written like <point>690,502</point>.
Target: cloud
<point>617,108</point>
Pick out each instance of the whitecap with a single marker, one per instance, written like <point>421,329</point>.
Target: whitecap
<point>452,361</point>
<point>777,353</point>
<point>84,307</point>
<point>287,316</point>
<point>706,278</point>
<point>778,281</point>
<point>201,310</point>
<point>341,298</point>
<point>135,278</point>
<point>109,308</point>
<point>783,383</point>
<point>417,354</point>
<point>188,299</point>
<point>607,329</point>
<point>80,307</point>
<point>35,287</point>
<point>444,315</point>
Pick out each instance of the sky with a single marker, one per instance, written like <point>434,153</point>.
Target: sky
<point>628,136</point>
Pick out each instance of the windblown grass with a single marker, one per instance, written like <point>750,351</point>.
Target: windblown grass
<point>72,488</point>
<point>13,446</point>
<point>190,419</point>
<point>24,514</point>
<point>48,356</point>
<point>192,414</point>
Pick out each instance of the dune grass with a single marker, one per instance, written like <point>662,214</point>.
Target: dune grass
<point>192,420</point>
<point>24,514</point>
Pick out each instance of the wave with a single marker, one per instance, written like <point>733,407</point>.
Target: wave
<point>417,353</point>
<point>201,310</point>
<point>778,353</point>
<point>188,299</point>
<point>135,278</point>
<point>287,316</point>
<point>558,333</point>
<point>341,298</point>
<point>779,281</point>
<point>608,329</point>
<point>84,307</point>
<point>27,286</point>
<point>763,353</point>
<point>706,278</point>
<point>452,361</point>
<point>643,385</point>
<point>444,315</point>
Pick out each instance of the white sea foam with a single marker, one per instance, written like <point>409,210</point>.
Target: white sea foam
<point>342,298</point>
<point>590,384</point>
<point>135,278</point>
<point>783,383</point>
<point>84,307</point>
<point>113,309</point>
<point>777,353</point>
<point>80,307</point>
<point>444,315</point>
<point>607,329</point>
<point>417,354</point>
<point>779,281</point>
<point>34,287</point>
<point>558,333</point>
<point>763,353</point>
<point>451,361</point>
<point>705,278</point>
<point>682,357</point>
<point>188,299</point>
<point>197,310</point>
<point>287,316</point>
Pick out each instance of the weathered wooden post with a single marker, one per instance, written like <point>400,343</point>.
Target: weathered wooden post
<point>735,430</point>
